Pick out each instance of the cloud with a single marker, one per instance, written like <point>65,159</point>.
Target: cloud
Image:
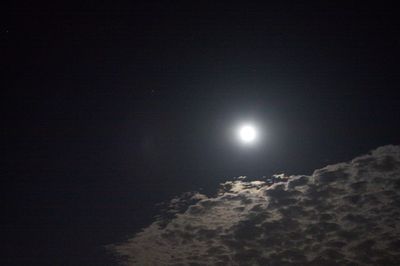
<point>342,214</point>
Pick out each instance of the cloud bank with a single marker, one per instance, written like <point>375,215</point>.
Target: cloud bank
<point>342,214</point>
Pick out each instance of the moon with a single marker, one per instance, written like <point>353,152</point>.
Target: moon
<point>247,133</point>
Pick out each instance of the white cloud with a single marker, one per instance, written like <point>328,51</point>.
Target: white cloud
<point>343,214</point>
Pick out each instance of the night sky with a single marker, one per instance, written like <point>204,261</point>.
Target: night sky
<point>109,109</point>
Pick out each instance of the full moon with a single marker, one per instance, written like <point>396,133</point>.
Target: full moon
<point>247,133</point>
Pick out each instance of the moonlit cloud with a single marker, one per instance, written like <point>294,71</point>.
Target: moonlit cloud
<point>342,214</point>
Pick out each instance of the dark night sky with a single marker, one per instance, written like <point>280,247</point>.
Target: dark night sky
<point>109,109</point>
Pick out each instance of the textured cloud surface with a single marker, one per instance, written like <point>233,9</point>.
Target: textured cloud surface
<point>343,214</point>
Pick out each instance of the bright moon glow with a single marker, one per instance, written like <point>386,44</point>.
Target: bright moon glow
<point>247,133</point>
